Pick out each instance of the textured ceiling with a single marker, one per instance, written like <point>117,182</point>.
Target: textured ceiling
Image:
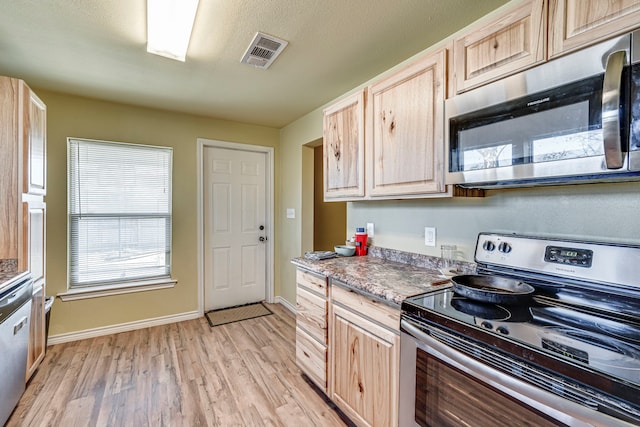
<point>97,49</point>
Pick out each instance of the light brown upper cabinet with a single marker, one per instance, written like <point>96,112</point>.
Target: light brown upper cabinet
<point>10,202</point>
<point>513,41</point>
<point>23,164</point>
<point>404,142</point>
<point>577,23</point>
<point>343,148</point>
<point>34,141</point>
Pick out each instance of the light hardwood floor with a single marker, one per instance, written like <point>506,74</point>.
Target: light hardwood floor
<point>183,374</point>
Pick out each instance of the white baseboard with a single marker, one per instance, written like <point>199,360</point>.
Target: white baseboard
<point>286,304</point>
<point>122,327</point>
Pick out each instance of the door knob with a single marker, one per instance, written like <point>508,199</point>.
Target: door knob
<point>262,239</point>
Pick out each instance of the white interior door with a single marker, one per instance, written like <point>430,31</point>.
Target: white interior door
<point>234,227</point>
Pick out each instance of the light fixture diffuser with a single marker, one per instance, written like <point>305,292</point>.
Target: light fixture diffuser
<point>169,26</point>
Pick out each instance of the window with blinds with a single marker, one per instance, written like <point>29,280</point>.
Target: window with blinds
<point>119,199</point>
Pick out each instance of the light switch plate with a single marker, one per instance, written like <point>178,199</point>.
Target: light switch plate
<point>430,236</point>
<point>370,229</point>
<point>291,213</point>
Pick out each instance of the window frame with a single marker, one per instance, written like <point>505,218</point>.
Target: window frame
<point>110,287</point>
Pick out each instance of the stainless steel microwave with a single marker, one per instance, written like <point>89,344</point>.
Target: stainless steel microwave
<point>574,119</point>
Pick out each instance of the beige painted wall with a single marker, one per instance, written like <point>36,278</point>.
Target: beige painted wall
<point>289,242</point>
<point>86,118</point>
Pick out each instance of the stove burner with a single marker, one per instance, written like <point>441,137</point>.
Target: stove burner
<point>588,322</point>
<point>620,331</point>
<point>478,309</point>
<point>488,311</point>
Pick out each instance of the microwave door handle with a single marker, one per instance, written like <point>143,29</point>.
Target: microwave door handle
<point>610,109</point>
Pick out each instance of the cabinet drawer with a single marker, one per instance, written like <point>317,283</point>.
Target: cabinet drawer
<point>312,281</point>
<point>312,314</point>
<point>311,358</point>
<point>368,307</point>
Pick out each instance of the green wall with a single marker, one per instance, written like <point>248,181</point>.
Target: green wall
<point>87,118</point>
<point>598,212</point>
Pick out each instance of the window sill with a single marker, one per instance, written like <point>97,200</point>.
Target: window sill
<point>116,289</point>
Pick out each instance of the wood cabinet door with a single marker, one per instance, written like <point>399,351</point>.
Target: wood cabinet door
<point>35,144</point>
<point>311,358</point>
<point>10,209</point>
<point>32,256</point>
<point>405,143</point>
<point>365,363</point>
<point>514,41</point>
<point>574,24</point>
<point>343,149</point>
<point>36,330</point>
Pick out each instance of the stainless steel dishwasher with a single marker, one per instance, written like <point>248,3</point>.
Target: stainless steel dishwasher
<point>15,313</point>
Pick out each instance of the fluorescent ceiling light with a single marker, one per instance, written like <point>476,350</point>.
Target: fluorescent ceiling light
<point>169,26</point>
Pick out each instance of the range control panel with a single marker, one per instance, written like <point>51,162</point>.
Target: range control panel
<point>601,262</point>
<point>571,256</point>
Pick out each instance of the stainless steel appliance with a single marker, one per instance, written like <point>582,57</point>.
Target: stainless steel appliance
<point>15,312</point>
<point>566,354</point>
<point>571,120</point>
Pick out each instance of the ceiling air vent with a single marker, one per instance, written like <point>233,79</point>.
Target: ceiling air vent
<point>263,50</point>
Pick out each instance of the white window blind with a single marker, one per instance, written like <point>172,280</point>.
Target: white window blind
<point>119,199</point>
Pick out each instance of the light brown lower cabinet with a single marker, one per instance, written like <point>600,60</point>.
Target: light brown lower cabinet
<point>364,358</point>
<point>36,330</point>
<point>311,326</point>
<point>311,358</point>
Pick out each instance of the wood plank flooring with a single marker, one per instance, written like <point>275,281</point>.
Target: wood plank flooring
<point>183,374</point>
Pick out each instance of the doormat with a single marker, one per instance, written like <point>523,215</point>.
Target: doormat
<point>236,314</point>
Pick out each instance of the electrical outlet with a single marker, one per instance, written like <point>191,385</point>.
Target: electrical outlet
<point>430,236</point>
<point>370,229</point>
<point>291,213</point>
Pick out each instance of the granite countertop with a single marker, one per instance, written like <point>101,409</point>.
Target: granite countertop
<point>386,274</point>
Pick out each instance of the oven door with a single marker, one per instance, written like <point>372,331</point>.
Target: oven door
<point>441,386</point>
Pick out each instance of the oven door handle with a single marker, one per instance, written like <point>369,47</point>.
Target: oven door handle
<point>611,109</point>
<point>562,410</point>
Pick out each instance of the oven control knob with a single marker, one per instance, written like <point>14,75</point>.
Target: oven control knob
<point>486,324</point>
<point>488,246</point>
<point>502,330</point>
<point>504,247</point>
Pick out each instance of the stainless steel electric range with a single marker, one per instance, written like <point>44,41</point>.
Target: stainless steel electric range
<point>567,352</point>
